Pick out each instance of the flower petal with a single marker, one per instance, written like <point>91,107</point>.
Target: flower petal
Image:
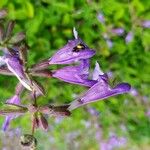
<point>97,71</point>
<point>75,74</point>
<point>99,91</point>
<point>14,100</point>
<point>16,68</point>
<point>73,51</point>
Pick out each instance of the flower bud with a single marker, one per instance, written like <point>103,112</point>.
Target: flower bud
<point>28,140</point>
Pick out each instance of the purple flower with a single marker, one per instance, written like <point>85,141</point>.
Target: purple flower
<point>146,24</point>
<point>14,65</point>
<point>100,17</point>
<point>73,51</point>
<point>100,90</point>
<point>118,31</point>
<point>75,74</point>
<point>129,37</point>
<point>14,100</point>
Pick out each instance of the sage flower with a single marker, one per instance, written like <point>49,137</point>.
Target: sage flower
<point>99,91</point>
<point>15,66</point>
<point>73,51</point>
<point>75,74</point>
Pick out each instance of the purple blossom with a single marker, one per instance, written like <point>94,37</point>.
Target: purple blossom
<point>14,65</point>
<point>146,24</point>
<point>75,74</point>
<point>129,37</point>
<point>100,90</point>
<point>100,17</point>
<point>118,31</point>
<point>14,100</point>
<point>73,51</point>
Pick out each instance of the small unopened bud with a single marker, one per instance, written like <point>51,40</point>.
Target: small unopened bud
<point>28,140</point>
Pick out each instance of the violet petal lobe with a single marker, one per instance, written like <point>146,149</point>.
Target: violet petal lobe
<point>73,51</point>
<point>97,71</point>
<point>100,90</point>
<point>14,100</point>
<point>75,74</point>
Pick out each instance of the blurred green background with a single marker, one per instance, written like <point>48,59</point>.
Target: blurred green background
<point>48,25</point>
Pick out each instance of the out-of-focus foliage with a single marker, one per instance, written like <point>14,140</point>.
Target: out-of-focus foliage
<point>48,25</point>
